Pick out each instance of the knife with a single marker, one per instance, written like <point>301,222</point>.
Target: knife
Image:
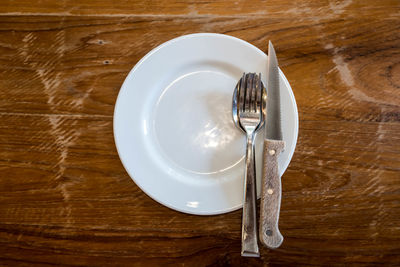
<point>269,232</point>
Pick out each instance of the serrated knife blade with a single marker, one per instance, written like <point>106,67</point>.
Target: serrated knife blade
<point>273,119</point>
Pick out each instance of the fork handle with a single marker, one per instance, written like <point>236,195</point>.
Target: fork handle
<point>271,193</point>
<point>249,225</point>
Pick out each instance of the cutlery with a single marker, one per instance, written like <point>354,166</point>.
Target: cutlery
<point>269,233</point>
<point>247,114</point>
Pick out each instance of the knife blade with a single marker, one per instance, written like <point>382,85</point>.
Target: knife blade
<point>269,232</point>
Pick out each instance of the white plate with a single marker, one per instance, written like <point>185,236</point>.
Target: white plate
<point>173,124</point>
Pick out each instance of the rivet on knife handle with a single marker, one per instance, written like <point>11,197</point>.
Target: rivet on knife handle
<point>269,233</point>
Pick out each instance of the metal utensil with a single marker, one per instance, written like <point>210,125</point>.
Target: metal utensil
<point>247,114</point>
<point>269,234</point>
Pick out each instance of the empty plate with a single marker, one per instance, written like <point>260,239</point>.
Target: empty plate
<point>173,123</point>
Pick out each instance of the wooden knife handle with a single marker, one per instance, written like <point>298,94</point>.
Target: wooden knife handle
<point>271,192</point>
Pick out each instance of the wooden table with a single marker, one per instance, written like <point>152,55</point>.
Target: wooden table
<point>65,197</point>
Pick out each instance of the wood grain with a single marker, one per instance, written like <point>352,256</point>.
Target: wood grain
<point>235,8</point>
<point>65,198</point>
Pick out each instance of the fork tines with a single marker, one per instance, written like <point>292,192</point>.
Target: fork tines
<point>250,93</point>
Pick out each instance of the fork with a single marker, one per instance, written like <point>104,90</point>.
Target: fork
<point>249,96</point>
